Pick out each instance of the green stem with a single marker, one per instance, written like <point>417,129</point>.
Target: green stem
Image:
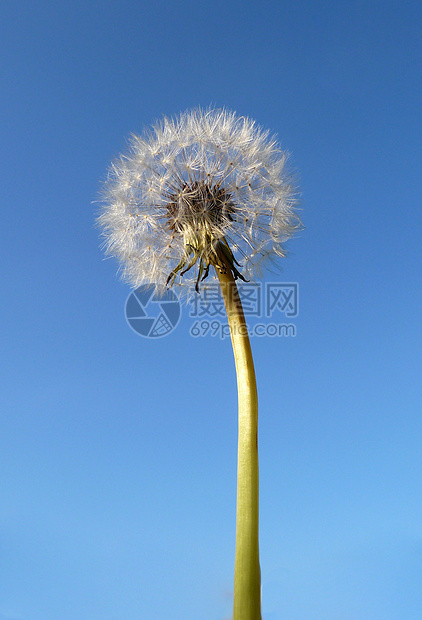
<point>247,573</point>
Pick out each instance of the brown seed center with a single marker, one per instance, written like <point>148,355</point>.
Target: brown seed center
<point>199,204</point>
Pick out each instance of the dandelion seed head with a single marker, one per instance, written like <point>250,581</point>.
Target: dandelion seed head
<point>204,189</point>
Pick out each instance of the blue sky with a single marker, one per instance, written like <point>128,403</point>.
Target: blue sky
<point>118,453</point>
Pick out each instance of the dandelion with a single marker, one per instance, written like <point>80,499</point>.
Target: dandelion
<point>200,196</point>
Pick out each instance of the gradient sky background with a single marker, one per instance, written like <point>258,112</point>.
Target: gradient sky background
<point>118,453</point>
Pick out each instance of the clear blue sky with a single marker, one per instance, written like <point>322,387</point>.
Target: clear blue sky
<point>118,453</point>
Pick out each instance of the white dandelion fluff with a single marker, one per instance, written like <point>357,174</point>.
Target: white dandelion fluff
<point>207,188</point>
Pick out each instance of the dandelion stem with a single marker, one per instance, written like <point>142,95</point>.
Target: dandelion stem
<point>247,573</point>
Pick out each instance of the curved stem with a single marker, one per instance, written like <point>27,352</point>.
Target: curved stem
<point>247,573</point>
